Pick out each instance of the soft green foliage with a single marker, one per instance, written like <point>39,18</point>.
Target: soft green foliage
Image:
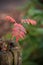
<point>33,42</point>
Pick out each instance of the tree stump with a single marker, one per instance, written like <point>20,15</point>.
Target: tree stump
<point>11,56</point>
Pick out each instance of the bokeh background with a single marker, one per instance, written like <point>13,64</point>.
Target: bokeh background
<point>32,45</point>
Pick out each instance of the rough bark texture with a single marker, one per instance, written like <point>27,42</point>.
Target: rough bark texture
<point>12,56</point>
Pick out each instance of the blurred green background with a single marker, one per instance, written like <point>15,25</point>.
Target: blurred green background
<point>33,43</point>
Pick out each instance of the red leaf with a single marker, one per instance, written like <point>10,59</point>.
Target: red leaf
<point>18,31</point>
<point>29,21</point>
<point>10,19</point>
